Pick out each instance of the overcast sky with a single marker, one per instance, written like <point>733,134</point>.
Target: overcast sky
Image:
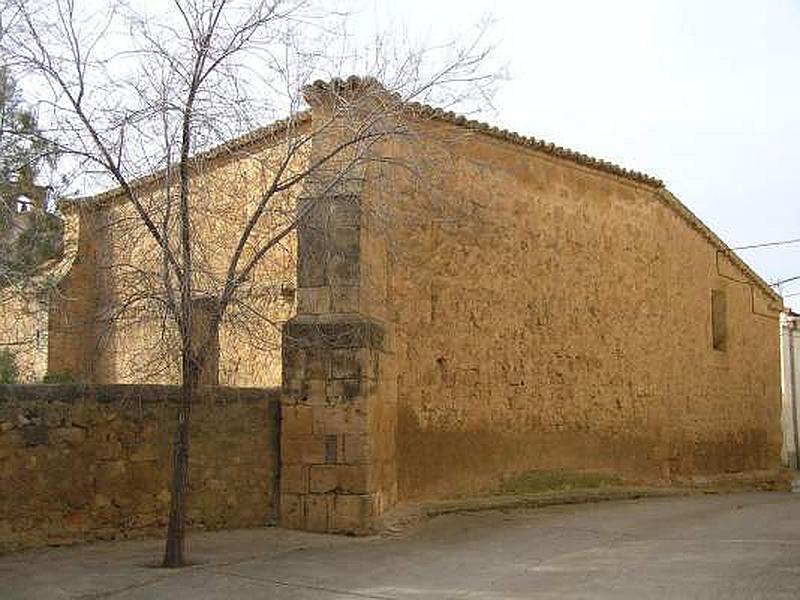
<point>703,94</point>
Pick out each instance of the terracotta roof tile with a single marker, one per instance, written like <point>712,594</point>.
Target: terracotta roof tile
<point>438,114</point>
<point>255,136</point>
<point>352,83</point>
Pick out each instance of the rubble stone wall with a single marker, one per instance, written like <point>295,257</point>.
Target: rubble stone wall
<point>80,463</point>
<point>549,316</point>
<point>23,332</point>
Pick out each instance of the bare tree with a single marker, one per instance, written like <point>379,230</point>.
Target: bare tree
<point>145,102</point>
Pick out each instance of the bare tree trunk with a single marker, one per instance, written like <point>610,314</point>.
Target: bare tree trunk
<point>174,551</point>
<point>202,90</point>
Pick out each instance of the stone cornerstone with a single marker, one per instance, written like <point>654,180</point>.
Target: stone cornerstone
<point>339,410</point>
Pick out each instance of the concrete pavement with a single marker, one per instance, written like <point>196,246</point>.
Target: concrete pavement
<point>705,547</point>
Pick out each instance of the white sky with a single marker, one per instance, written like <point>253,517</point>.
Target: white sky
<point>703,94</point>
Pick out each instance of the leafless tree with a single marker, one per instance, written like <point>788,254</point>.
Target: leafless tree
<point>124,94</point>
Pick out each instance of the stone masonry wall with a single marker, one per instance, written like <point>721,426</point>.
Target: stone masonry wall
<point>26,311</point>
<point>338,458</point>
<point>72,311</point>
<point>548,316</point>
<point>23,332</point>
<point>80,463</point>
<point>474,311</point>
<point>105,327</point>
<point>338,469</point>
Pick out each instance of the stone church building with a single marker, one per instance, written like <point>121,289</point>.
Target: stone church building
<point>505,306</point>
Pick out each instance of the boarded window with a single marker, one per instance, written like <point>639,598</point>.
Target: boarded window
<point>331,450</point>
<point>719,326</point>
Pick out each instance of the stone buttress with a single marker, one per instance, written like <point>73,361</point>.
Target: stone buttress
<point>339,407</point>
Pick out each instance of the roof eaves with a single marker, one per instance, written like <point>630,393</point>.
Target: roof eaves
<point>226,148</point>
<point>694,221</point>
<point>426,111</point>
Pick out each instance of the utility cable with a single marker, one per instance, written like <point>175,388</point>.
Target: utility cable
<point>767,244</point>
<point>787,280</point>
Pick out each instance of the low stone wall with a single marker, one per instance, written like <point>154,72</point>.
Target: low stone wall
<point>92,462</point>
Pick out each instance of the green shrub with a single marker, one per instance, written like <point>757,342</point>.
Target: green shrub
<point>62,377</point>
<point>532,482</point>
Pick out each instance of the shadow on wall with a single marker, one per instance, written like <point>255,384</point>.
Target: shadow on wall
<point>450,464</point>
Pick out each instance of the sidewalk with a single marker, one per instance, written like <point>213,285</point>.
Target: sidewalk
<point>108,569</point>
<point>701,546</point>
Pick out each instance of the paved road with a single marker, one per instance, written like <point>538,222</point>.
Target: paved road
<point>699,547</point>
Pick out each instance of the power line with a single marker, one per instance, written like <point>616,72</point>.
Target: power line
<point>787,280</point>
<point>767,244</point>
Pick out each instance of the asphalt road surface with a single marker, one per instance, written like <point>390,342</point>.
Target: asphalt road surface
<point>698,547</point>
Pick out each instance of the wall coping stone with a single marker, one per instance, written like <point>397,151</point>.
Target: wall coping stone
<point>115,393</point>
<point>344,330</point>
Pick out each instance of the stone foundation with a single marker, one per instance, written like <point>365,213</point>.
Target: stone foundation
<point>337,441</point>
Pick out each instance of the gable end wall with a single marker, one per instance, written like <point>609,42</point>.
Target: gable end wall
<point>548,316</point>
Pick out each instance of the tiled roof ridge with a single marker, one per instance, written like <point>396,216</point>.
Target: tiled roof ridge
<point>661,190</point>
<point>695,222</point>
<point>538,145</point>
<point>354,83</point>
<point>251,137</point>
<point>341,87</point>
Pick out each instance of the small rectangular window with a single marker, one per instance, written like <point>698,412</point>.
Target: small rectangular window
<point>719,326</point>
